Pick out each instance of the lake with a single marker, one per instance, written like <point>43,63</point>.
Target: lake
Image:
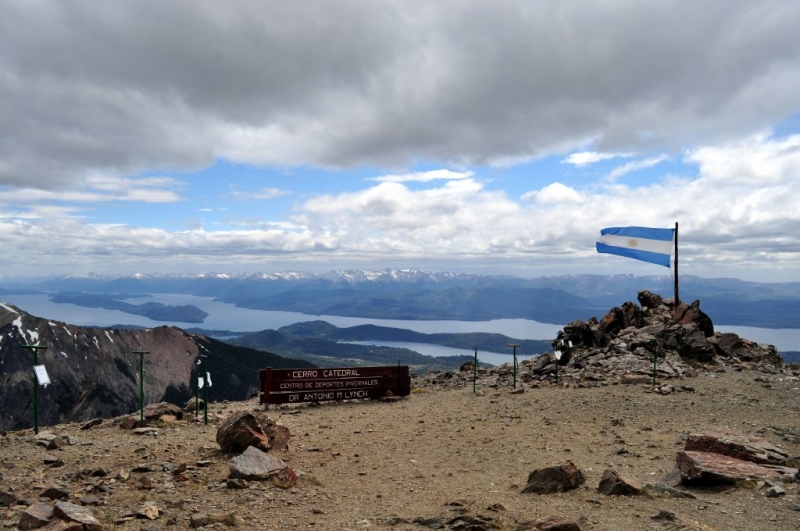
<point>223,316</point>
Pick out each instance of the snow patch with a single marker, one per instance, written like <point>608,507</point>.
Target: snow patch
<point>8,308</point>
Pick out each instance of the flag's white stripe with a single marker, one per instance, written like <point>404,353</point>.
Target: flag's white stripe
<point>642,244</point>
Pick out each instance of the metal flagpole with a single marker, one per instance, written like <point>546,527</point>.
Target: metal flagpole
<point>677,299</point>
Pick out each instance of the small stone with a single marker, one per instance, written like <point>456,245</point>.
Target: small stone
<point>775,492</point>
<point>35,516</point>
<point>91,424</point>
<point>149,512</point>
<point>55,493</point>
<point>555,523</point>
<point>199,520</point>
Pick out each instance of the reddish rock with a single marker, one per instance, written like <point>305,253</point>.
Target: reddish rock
<point>556,478</point>
<point>35,516</point>
<point>279,436</point>
<point>77,513</point>
<point>707,468</point>
<point>745,447</point>
<point>156,411</point>
<point>612,484</point>
<point>130,423</point>
<point>555,523</point>
<point>240,431</point>
<point>692,314</point>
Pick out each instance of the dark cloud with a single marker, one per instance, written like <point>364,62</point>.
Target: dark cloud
<point>125,86</point>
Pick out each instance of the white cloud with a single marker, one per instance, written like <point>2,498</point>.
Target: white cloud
<point>756,159</point>
<point>584,158</point>
<point>555,193</point>
<point>635,166</point>
<point>423,176</point>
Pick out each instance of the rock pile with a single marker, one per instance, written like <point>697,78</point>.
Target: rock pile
<point>624,346</point>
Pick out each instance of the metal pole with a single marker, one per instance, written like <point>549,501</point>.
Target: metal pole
<point>196,388</point>
<point>677,299</point>
<point>35,349</point>
<point>655,357</point>
<point>475,370</point>
<point>205,390</point>
<point>556,370</point>
<point>514,369</point>
<point>141,354</point>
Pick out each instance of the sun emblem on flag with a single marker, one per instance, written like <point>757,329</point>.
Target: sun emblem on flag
<point>632,242</point>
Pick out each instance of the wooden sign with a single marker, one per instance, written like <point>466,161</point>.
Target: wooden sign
<point>294,386</point>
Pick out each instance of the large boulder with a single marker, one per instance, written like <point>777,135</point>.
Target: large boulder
<point>241,430</point>
<point>584,335</point>
<point>692,314</point>
<point>163,410</point>
<point>555,478</point>
<point>691,343</point>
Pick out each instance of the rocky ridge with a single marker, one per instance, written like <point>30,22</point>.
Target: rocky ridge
<point>95,372</point>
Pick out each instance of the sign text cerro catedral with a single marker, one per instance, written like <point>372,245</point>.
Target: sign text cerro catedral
<point>289,386</point>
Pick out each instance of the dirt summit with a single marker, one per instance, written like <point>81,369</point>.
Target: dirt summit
<point>446,457</point>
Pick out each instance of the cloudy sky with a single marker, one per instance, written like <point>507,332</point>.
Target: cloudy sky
<point>487,137</point>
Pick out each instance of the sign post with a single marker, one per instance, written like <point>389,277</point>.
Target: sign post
<point>295,386</point>
<point>514,367</point>
<point>141,354</point>
<point>35,349</point>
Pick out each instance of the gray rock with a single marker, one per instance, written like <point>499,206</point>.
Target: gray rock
<point>254,464</point>
<point>613,484</point>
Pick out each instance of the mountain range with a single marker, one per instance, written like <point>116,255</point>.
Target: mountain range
<point>422,294</point>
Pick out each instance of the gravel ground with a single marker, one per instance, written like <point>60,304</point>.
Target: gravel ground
<point>431,457</point>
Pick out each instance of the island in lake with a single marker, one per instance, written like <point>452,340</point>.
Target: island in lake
<point>155,311</point>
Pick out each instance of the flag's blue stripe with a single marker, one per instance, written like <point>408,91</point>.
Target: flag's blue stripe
<point>641,232</point>
<point>646,256</point>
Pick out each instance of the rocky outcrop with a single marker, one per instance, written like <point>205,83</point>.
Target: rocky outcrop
<point>706,468</point>
<point>721,455</point>
<point>620,348</point>
<point>725,441</point>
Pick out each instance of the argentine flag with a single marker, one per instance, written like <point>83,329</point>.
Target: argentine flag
<point>641,243</point>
